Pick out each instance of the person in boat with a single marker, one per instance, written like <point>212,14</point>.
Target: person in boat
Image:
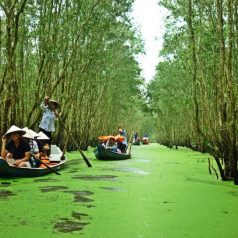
<point>30,137</point>
<point>145,138</point>
<point>111,144</point>
<point>15,150</point>
<point>43,148</point>
<point>135,138</point>
<point>47,124</point>
<point>123,144</point>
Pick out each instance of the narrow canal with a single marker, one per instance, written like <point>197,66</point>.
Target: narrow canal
<point>158,193</point>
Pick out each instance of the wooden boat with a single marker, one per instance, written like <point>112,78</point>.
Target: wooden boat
<point>103,154</point>
<point>145,141</point>
<point>54,162</point>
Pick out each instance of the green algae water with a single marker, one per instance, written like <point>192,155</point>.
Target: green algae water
<point>158,193</point>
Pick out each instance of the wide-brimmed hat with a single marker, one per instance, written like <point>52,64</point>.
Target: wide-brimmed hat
<point>57,104</point>
<point>119,138</point>
<point>14,129</point>
<point>111,138</point>
<point>30,133</point>
<point>42,136</point>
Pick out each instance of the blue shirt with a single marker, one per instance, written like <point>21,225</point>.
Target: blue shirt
<point>123,133</point>
<point>48,120</point>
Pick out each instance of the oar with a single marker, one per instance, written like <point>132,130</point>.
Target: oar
<point>129,142</point>
<point>64,149</point>
<point>46,165</point>
<point>76,144</point>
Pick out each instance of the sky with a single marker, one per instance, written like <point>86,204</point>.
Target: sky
<point>149,16</point>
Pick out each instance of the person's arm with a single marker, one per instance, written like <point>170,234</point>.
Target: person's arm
<point>108,146</point>
<point>44,104</point>
<point>25,159</point>
<point>3,149</point>
<point>9,155</point>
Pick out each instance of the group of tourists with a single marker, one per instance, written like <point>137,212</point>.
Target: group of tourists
<point>137,139</point>
<point>116,143</point>
<point>24,147</point>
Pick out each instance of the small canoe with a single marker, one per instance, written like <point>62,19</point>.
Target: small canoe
<point>103,154</point>
<point>55,162</point>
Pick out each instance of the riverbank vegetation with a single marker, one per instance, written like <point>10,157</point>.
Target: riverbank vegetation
<point>194,93</point>
<point>81,53</point>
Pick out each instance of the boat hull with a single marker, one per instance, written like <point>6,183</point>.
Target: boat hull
<point>7,171</point>
<point>103,154</point>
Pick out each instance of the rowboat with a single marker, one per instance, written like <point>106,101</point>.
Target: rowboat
<point>103,154</point>
<point>55,162</point>
<point>145,141</point>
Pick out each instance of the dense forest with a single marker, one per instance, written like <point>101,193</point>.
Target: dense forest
<point>80,53</point>
<point>83,54</point>
<point>193,96</point>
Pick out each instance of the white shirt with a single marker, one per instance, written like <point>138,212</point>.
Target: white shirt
<point>48,120</point>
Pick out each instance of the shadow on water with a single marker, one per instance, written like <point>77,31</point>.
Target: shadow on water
<point>79,216</point>
<point>45,180</point>
<point>5,184</point>
<point>66,225</point>
<point>5,194</point>
<point>72,171</point>
<point>80,196</point>
<point>52,188</point>
<point>96,177</point>
<point>197,180</point>
<point>233,193</point>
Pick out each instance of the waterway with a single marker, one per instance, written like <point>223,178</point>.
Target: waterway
<point>158,193</point>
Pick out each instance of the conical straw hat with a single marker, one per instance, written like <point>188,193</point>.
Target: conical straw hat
<point>57,104</point>
<point>33,133</point>
<point>14,129</point>
<point>42,136</point>
<point>30,133</point>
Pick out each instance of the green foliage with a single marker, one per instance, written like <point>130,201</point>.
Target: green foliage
<point>81,53</point>
<point>194,93</point>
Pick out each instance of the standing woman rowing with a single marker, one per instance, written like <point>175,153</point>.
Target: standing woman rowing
<point>47,124</point>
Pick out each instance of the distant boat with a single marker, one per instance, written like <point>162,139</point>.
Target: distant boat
<point>145,141</point>
<point>55,162</point>
<point>102,153</point>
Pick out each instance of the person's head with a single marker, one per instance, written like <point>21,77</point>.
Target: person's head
<point>120,131</point>
<point>53,105</point>
<point>14,133</point>
<point>112,140</point>
<point>15,136</point>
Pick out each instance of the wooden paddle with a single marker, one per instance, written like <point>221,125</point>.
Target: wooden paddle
<point>76,144</point>
<point>129,143</point>
<point>46,165</point>
<point>64,149</point>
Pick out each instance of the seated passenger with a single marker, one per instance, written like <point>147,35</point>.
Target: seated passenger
<point>112,145</point>
<point>16,151</point>
<point>122,145</point>
<point>30,136</point>
<point>43,147</point>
